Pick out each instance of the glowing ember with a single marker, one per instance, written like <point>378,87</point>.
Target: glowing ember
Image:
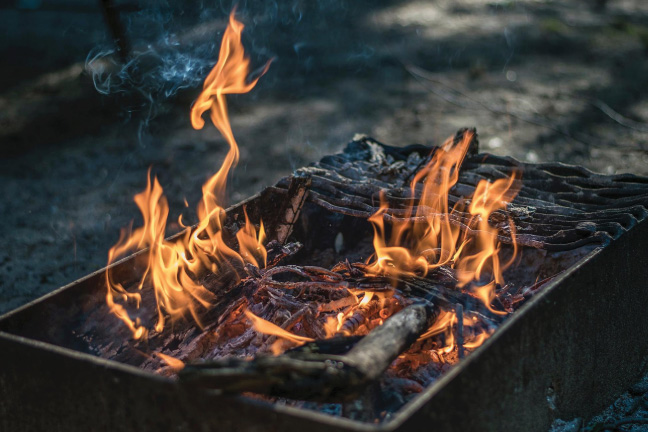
<point>173,266</point>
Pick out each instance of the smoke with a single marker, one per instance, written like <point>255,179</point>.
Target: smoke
<point>159,71</point>
<point>164,59</point>
<point>174,45</point>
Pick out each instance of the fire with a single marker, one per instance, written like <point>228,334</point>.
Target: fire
<point>268,328</point>
<point>478,341</point>
<point>251,244</point>
<point>416,248</point>
<point>441,324</point>
<point>429,234</point>
<point>172,362</point>
<point>437,230</point>
<point>488,198</point>
<point>173,267</point>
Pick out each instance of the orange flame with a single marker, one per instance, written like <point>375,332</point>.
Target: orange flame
<point>268,328</point>
<point>175,291</point>
<point>172,362</point>
<point>250,244</point>
<point>426,237</point>
<point>173,266</point>
<point>488,198</point>
<point>415,248</point>
<point>477,341</point>
<point>441,324</point>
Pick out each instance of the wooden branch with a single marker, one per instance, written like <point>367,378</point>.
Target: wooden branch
<point>306,375</point>
<point>297,194</point>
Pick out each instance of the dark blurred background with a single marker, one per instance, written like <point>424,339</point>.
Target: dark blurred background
<point>81,121</point>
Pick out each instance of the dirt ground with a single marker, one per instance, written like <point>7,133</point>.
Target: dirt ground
<point>541,81</point>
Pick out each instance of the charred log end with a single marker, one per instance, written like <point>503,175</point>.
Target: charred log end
<point>373,354</point>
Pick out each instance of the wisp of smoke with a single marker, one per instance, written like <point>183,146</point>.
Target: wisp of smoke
<point>175,44</point>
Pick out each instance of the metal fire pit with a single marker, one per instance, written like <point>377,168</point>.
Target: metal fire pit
<point>569,351</point>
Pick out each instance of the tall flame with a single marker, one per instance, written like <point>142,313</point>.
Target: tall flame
<point>425,238</point>
<point>419,247</point>
<point>488,198</point>
<point>173,266</point>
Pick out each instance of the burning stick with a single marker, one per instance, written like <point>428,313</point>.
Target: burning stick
<point>297,194</point>
<point>358,318</point>
<point>306,376</point>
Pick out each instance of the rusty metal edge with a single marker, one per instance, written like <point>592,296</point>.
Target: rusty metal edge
<point>417,403</point>
<point>569,352</point>
<point>411,410</point>
<point>135,372</point>
<point>98,361</point>
<point>64,288</point>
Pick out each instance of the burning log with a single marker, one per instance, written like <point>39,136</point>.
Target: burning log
<point>553,202</point>
<point>313,376</point>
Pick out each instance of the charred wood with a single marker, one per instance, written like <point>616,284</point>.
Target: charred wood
<point>321,377</point>
<point>553,199</point>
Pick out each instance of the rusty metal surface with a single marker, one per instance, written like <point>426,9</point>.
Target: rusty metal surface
<point>568,352</point>
<point>44,387</point>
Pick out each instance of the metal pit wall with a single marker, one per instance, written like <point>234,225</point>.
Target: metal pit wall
<point>568,352</point>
